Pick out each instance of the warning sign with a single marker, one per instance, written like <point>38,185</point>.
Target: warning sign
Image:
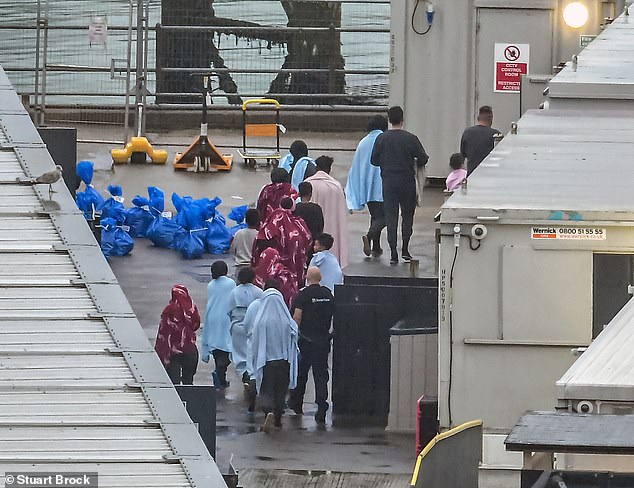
<point>569,233</point>
<point>511,62</point>
<point>97,31</point>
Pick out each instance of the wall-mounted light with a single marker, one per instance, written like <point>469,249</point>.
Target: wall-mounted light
<point>575,15</point>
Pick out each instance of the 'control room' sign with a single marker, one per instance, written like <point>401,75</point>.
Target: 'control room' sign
<point>511,62</point>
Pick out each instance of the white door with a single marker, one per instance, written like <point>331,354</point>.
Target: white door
<point>510,26</point>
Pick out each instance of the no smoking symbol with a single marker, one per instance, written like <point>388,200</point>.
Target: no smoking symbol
<point>512,53</point>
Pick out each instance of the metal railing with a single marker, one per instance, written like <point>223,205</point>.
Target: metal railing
<point>319,53</point>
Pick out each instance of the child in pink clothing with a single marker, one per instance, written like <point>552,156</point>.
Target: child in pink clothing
<point>456,163</point>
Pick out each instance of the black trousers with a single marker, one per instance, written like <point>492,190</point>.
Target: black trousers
<point>313,355</point>
<point>222,360</point>
<point>377,223</point>
<point>399,194</point>
<point>275,380</point>
<point>251,391</point>
<point>182,368</point>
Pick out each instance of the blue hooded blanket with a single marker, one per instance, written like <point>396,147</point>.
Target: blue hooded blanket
<point>364,180</point>
<point>239,300</point>
<point>298,168</point>
<point>273,335</point>
<point>216,332</point>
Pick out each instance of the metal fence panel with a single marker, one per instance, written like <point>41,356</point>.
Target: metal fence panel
<point>301,52</point>
<point>313,52</point>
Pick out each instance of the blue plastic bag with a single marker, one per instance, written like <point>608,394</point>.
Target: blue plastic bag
<point>208,207</point>
<point>190,243</point>
<point>179,204</point>
<point>192,214</point>
<point>90,200</point>
<point>115,241</point>
<point>162,231</point>
<point>139,217</point>
<point>85,170</point>
<point>157,200</point>
<point>218,237</point>
<point>238,215</point>
<point>117,213</point>
<point>113,205</point>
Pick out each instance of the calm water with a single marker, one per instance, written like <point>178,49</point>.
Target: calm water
<point>70,46</point>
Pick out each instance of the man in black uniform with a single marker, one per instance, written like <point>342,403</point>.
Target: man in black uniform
<point>477,141</point>
<point>313,311</point>
<point>398,153</point>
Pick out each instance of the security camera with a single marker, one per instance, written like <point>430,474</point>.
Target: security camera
<point>479,231</point>
<point>585,407</point>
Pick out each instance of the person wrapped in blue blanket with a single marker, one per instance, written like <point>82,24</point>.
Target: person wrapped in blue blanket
<point>297,163</point>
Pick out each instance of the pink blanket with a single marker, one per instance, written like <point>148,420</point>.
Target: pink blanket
<point>328,193</point>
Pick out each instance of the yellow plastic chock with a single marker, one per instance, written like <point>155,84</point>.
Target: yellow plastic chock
<point>138,145</point>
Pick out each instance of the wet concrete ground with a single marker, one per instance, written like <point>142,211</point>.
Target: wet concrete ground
<point>149,272</point>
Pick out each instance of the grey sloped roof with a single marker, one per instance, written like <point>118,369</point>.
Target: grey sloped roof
<point>604,69</point>
<point>573,432</point>
<point>565,162</point>
<point>606,370</point>
<point>558,161</point>
<point>81,388</point>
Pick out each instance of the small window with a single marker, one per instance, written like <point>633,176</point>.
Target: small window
<point>612,273</point>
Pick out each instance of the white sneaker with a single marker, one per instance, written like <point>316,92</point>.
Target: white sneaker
<point>267,426</point>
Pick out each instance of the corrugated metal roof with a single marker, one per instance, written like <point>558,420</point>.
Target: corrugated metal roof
<point>604,69</point>
<point>81,389</point>
<point>565,160</point>
<point>121,474</point>
<point>558,160</point>
<point>606,370</point>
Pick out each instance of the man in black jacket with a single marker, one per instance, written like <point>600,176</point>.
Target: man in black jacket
<point>398,153</point>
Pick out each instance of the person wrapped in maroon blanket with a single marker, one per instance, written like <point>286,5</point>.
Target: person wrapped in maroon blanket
<point>289,235</point>
<point>272,194</point>
<point>270,266</point>
<point>176,337</point>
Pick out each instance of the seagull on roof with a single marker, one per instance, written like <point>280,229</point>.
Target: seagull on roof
<point>49,178</point>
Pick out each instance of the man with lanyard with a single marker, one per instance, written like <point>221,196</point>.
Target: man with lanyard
<point>313,311</point>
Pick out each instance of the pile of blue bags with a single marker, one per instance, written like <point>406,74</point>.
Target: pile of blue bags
<point>197,227</point>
